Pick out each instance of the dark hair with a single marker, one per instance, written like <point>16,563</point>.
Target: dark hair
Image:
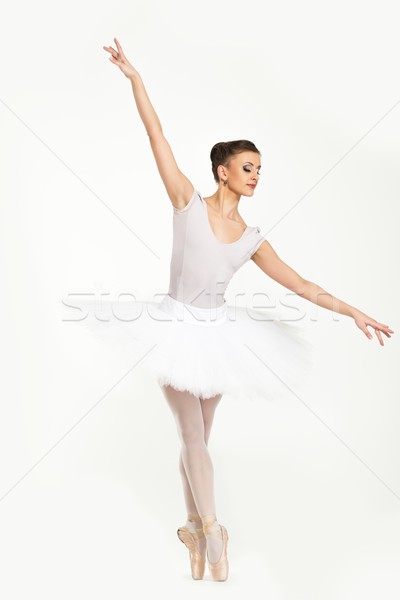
<point>222,153</point>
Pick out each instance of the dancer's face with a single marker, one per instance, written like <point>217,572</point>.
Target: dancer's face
<point>243,170</point>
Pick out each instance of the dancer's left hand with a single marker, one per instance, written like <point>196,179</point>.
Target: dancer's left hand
<point>362,321</point>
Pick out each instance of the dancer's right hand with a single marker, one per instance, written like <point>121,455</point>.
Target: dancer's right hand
<point>119,59</point>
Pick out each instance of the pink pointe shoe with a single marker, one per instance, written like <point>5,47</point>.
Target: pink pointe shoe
<point>220,569</point>
<point>197,561</point>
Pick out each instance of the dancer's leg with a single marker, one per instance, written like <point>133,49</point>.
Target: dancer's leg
<point>188,415</point>
<point>208,407</point>
<point>193,521</point>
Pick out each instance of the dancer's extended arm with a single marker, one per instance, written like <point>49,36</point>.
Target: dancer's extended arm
<point>179,188</point>
<point>269,262</point>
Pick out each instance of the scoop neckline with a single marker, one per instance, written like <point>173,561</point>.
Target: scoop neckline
<point>211,231</point>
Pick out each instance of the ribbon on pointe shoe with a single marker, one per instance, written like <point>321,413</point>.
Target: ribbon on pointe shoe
<point>208,522</point>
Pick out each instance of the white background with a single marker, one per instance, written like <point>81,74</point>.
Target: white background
<point>309,488</point>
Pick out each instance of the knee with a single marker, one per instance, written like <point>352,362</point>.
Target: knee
<point>192,435</point>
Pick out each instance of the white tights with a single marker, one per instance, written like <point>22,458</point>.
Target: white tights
<point>194,418</point>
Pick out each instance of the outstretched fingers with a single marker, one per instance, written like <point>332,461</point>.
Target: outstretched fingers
<point>119,49</point>
<point>118,58</point>
<point>379,336</point>
<point>111,50</point>
<point>116,55</point>
<point>378,328</point>
<point>384,328</point>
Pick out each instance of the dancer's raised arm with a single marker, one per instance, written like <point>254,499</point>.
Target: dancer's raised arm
<point>179,187</point>
<point>269,262</point>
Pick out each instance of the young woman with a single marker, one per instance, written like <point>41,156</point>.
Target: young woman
<point>200,353</point>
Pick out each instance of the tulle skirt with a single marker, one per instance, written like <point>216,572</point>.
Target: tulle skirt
<point>233,350</point>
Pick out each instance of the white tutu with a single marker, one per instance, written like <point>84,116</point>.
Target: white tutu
<point>246,353</point>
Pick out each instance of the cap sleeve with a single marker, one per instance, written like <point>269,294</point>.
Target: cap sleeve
<point>254,242</point>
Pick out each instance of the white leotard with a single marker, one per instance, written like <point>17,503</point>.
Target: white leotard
<point>201,265</point>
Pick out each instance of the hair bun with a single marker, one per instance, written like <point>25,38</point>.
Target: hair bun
<point>222,152</point>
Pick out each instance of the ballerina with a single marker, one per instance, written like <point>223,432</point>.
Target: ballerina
<point>203,363</point>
